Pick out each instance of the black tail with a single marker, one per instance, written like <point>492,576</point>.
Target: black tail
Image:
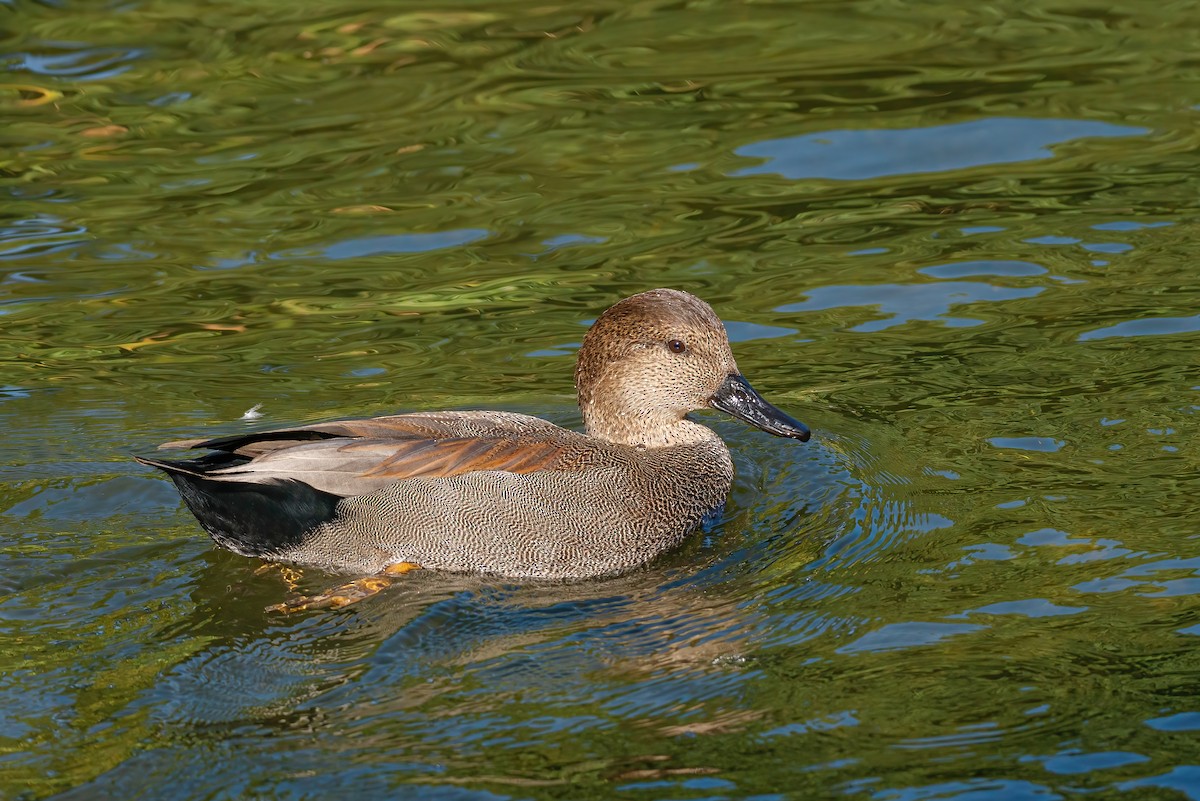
<point>252,519</point>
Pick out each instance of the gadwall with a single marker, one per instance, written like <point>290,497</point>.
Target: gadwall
<point>499,492</point>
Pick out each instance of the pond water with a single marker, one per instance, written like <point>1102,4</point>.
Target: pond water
<point>957,240</point>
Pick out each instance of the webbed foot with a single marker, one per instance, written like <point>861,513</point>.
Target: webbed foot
<point>349,593</point>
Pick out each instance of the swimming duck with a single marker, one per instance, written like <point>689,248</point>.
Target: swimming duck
<point>499,492</point>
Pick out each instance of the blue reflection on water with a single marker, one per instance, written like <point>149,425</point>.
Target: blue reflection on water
<point>897,636</point>
<point>1012,269</point>
<point>855,155</point>
<point>744,332</point>
<point>905,302</point>
<point>1030,607</point>
<point>390,244</point>
<point>1156,326</point>
<point>1184,779</point>
<point>1183,721</point>
<point>1045,444</point>
<point>78,60</point>
<point>556,242</point>
<point>1129,225</point>
<point>1074,761</point>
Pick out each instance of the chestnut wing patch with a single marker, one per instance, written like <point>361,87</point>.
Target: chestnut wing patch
<point>346,467</point>
<point>451,457</point>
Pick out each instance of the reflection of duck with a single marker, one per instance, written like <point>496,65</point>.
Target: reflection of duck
<point>499,492</point>
<point>562,640</point>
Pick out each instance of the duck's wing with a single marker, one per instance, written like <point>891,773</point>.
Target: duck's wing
<point>357,457</point>
<point>418,425</point>
<point>357,466</point>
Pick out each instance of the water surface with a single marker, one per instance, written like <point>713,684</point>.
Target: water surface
<point>956,240</point>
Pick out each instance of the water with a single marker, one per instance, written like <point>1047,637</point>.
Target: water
<point>956,240</point>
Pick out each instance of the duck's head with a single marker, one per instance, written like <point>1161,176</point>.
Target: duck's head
<point>652,358</point>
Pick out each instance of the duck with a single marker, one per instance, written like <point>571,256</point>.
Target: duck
<point>496,492</point>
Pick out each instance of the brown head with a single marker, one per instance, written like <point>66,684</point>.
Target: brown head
<point>654,357</point>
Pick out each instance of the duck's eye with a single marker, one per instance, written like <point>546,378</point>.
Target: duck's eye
<point>677,346</point>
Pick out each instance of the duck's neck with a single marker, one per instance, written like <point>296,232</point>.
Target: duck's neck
<point>644,428</point>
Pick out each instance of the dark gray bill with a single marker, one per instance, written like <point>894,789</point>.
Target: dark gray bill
<point>738,398</point>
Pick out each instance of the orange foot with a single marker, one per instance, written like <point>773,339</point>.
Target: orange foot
<point>349,593</point>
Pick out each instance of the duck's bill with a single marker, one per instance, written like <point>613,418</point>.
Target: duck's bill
<point>738,398</point>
